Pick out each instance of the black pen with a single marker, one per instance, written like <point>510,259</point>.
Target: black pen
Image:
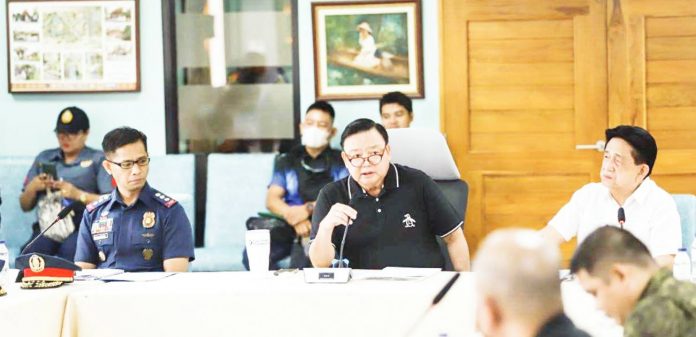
<point>440,295</point>
<point>444,290</point>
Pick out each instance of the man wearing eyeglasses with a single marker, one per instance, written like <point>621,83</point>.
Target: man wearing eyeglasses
<point>135,228</point>
<point>69,173</point>
<point>392,212</point>
<point>625,197</point>
<point>297,178</point>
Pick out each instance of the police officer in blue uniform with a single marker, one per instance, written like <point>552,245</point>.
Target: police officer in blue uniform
<point>135,228</point>
<point>79,176</point>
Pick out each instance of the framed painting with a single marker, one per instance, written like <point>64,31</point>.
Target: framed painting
<point>72,46</point>
<point>363,50</point>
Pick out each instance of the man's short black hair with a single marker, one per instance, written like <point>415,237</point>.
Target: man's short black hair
<point>643,144</point>
<point>362,125</point>
<point>608,245</point>
<point>398,98</point>
<point>120,137</point>
<point>323,106</point>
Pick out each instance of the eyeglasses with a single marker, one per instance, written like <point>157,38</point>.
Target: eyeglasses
<point>374,158</point>
<point>128,164</point>
<point>68,135</point>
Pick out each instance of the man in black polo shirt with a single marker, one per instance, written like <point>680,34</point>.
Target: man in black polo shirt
<point>297,178</point>
<point>394,212</point>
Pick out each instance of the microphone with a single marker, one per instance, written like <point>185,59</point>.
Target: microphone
<point>345,233</point>
<point>61,215</point>
<point>622,217</point>
<point>440,295</point>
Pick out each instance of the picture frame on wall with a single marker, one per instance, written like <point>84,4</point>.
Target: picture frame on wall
<point>363,50</point>
<point>72,46</point>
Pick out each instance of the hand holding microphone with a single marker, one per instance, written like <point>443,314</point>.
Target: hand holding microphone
<point>338,215</point>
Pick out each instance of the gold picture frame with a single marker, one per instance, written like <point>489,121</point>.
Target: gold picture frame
<point>363,50</point>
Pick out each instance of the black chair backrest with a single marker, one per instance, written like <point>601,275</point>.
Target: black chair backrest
<point>457,193</point>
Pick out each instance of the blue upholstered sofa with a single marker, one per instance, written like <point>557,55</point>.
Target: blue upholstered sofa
<point>686,204</point>
<point>236,187</point>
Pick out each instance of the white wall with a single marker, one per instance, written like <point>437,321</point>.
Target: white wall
<point>27,120</point>
<point>426,111</point>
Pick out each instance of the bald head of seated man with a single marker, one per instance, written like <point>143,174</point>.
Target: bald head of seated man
<point>519,287</point>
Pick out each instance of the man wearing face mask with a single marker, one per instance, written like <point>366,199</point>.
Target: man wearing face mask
<point>297,178</point>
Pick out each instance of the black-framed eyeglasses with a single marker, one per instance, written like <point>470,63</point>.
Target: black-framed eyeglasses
<point>374,158</point>
<point>128,164</point>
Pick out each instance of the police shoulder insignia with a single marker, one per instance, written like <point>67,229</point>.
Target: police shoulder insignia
<point>102,199</point>
<point>163,199</point>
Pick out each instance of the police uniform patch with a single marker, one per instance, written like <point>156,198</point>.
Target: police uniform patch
<point>102,225</point>
<point>102,200</point>
<point>148,219</point>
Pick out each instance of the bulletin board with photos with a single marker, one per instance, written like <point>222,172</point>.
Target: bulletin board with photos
<point>72,46</point>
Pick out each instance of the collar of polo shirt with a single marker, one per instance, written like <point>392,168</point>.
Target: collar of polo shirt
<point>639,195</point>
<point>391,181</point>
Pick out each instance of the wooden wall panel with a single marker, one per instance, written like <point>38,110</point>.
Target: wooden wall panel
<point>528,200</point>
<point>677,183</point>
<point>523,83</point>
<point>522,71</point>
<point>671,81</point>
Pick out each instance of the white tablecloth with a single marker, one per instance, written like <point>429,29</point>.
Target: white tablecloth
<point>35,312</point>
<point>245,304</point>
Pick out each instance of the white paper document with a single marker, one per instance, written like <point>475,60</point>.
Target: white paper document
<point>137,277</point>
<point>395,274</point>
<point>96,274</point>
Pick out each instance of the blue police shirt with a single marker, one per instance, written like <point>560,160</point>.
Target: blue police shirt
<point>86,172</point>
<point>137,237</point>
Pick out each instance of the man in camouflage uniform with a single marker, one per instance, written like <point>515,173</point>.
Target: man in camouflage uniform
<point>617,268</point>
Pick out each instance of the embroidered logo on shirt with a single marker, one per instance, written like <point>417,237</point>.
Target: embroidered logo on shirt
<point>408,221</point>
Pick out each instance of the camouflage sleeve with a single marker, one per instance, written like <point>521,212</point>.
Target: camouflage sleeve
<point>657,317</point>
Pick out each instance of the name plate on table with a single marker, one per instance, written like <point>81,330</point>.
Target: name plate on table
<point>327,275</point>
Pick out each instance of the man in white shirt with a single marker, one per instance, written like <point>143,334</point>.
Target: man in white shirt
<point>647,211</point>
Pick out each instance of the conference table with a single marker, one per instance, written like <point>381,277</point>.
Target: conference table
<point>263,304</point>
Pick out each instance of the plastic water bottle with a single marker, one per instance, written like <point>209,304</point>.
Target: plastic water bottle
<point>693,261</point>
<point>682,266</point>
<point>5,256</point>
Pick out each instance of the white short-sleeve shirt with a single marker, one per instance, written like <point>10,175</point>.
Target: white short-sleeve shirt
<point>651,215</point>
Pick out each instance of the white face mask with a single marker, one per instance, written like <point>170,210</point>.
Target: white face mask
<point>314,137</point>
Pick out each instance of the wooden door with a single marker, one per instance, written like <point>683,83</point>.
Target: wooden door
<point>523,83</point>
<point>652,82</point>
